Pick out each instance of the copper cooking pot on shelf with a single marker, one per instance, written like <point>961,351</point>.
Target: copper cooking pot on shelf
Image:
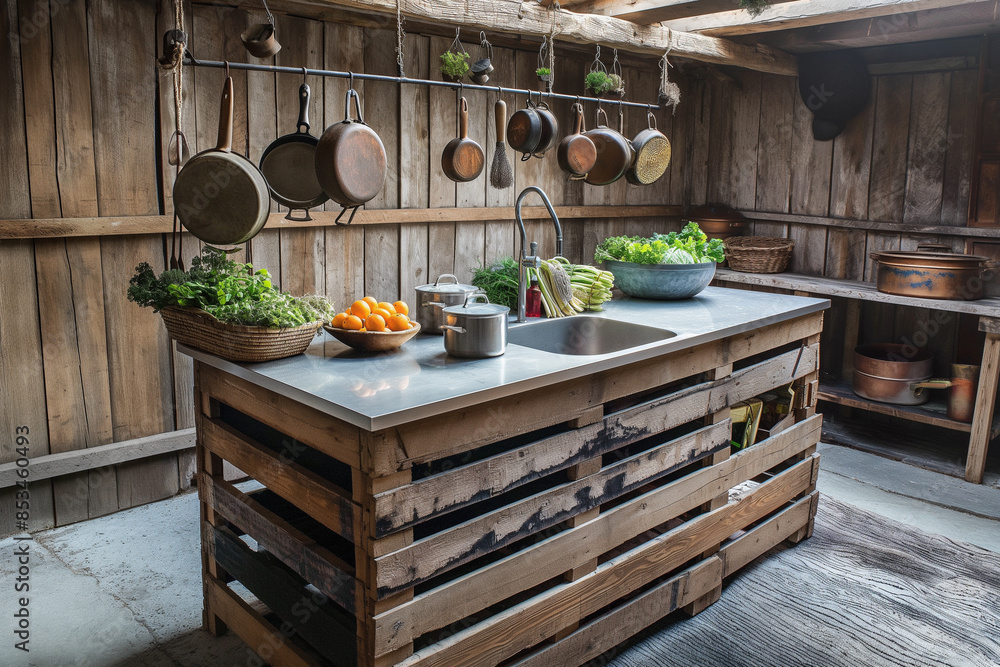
<point>893,373</point>
<point>932,275</point>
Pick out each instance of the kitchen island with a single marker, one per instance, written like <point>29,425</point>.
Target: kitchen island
<point>534,509</point>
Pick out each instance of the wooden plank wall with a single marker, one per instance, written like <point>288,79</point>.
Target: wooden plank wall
<point>86,119</point>
<point>905,159</point>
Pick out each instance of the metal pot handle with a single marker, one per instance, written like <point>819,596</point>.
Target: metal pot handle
<point>449,327</point>
<point>938,383</point>
<point>475,297</point>
<point>453,277</point>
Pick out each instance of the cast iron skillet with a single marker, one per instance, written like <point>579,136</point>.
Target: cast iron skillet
<point>220,196</point>
<point>463,159</point>
<point>614,153</point>
<point>350,161</point>
<point>289,165</point>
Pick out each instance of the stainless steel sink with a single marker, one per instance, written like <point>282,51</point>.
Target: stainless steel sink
<point>584,335</point>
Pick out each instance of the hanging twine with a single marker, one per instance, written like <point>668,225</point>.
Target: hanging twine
<point>670,92</point>
<point>400,38</point>
<point>175,63</point>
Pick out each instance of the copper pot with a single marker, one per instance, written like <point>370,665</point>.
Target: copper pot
<point>884,372</point>
<point>718,221</point>
<point>931,275</point>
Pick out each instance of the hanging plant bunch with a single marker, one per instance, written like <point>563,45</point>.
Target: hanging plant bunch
<point>545,63</point>
<point>455,61</point>
<point>755,7</point>
<point>670,92</point>
<point>616,79</point>
<point>598,81</point>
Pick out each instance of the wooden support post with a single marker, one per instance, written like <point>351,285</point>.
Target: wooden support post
<point>851,329</point>
<point>982,419</point>
<point>211,465</point>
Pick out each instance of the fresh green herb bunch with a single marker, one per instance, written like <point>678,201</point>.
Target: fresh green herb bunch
<point>229,291</point>
<point>499,282</point>
<point>689,246</point>
<point>454,64</point>
<point>599,82</point>
<point>755,7</point>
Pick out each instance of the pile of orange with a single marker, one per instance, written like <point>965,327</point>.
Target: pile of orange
<point>370,314</point>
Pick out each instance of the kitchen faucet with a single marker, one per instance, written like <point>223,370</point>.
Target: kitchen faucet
<point>531,261</point>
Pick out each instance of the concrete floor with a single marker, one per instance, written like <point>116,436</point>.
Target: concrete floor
<point>126,589</point>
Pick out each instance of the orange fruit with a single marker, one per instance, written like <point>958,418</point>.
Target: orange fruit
<point>402,308</point>
<point>385,305</point>
<point>361,309</point>
<point>371,301</point>
<point>412,324</point>
<point>398,323</point>
<point>383,312</point>
<point>338,320</point>
<point>353,323</point>
<point>375,323</point>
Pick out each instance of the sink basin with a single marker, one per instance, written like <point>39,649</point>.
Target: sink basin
<point>584,335</point>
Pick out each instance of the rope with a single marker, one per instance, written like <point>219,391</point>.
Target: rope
<point>175,64</point>
<point>400,38</point>
<point>669,90</point>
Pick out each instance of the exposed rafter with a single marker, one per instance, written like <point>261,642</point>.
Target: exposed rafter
<point>801,14</point>
<point>530,18</point>
<point>933,24</point>
<point>652,11</point>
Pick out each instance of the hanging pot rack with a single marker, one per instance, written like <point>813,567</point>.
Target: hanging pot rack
<point>191,61</point>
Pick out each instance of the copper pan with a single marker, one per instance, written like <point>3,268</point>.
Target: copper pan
<point>893,373</point>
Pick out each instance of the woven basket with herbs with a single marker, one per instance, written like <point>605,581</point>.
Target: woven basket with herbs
<point>758,254</point>
<point>229,309</point>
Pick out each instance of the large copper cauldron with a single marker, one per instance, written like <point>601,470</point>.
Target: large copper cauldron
<point>931,275</point>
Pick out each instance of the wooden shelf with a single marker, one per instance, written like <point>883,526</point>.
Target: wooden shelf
<point>932,413</point>
<point>855,289</point>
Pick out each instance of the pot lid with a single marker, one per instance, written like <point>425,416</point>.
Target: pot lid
<point>929,260</point>
<point>477,306</point>
<point>450,287</point>
<point>715,213</point>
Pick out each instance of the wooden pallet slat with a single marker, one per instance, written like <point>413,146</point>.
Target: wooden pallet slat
<point>436,554</point>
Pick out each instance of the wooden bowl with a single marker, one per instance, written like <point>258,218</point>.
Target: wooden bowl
<point>372,341</point>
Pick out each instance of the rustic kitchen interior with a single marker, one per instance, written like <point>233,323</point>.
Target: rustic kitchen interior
<point>585,472</point>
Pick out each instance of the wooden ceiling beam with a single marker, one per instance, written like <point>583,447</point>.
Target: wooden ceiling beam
<point>801,14</point>
<point>652,11</point>
<point>530,18</point>
<point>934,24</point>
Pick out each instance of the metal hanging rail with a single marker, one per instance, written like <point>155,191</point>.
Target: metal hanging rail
<point>190,60</point>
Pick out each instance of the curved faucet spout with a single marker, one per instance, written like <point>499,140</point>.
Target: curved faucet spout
<point>526,261</point>
<point>552,214</point>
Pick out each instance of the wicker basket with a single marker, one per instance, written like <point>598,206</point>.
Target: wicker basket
<point>196,328</point>
<point>758,254</point>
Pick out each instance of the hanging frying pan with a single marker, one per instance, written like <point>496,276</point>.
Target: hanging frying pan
<point>350,161</point>
<point>524,129</point>
<point>220,196</point>
<point>614,153</point>
<point>652,155</point>
<point>550,130</point>
<point>289,165</point>
<point>463,159</point>
<point>577,153</point>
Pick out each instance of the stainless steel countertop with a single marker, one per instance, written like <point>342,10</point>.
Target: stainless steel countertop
<point>418,380</point>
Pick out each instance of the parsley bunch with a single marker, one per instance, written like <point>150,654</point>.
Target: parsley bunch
<point>229,291</point>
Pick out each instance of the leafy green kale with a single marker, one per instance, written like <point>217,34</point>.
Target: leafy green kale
<point>662,248</point>
<point>229,291</point>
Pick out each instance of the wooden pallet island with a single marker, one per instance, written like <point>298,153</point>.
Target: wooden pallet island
<point>541,529</point>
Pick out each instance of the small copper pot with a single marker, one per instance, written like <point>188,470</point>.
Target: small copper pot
<point>893,373</point>
<point>962,395</point>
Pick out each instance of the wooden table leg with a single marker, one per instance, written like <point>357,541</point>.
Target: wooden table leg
<point>982,419</point>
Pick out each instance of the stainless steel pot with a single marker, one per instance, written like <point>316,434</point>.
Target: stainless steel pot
<point>433,298</point>
<point>476,329</point>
